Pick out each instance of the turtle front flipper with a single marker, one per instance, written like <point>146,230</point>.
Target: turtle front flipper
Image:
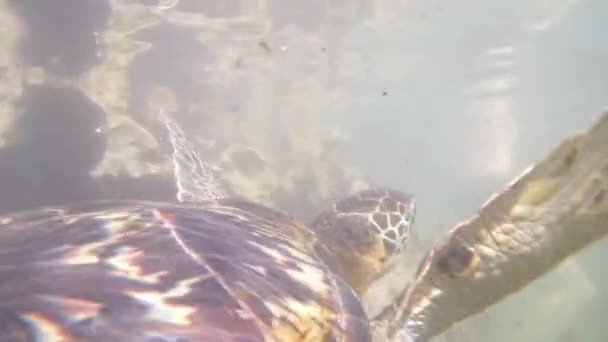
<point>195,181</point>
<point>555,209</point>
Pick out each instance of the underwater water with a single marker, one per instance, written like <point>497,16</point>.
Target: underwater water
<point>296,103</point>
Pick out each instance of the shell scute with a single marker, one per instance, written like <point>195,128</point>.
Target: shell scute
<point>140,271</point>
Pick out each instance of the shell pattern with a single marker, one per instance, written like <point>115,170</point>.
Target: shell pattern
<point>224,270</point>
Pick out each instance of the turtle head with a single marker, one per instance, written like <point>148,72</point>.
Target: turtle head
<point>363,233</point>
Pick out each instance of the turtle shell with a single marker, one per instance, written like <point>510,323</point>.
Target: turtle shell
<point>225,270</point>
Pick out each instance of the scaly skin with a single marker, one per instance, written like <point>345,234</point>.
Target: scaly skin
<point>556,208</point>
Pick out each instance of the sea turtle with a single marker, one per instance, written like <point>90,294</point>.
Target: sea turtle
<point>206,268</point>
<point>222,269</point>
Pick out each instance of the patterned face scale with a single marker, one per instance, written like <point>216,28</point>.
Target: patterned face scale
<point>364,233</point>
<point>390,212</point>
